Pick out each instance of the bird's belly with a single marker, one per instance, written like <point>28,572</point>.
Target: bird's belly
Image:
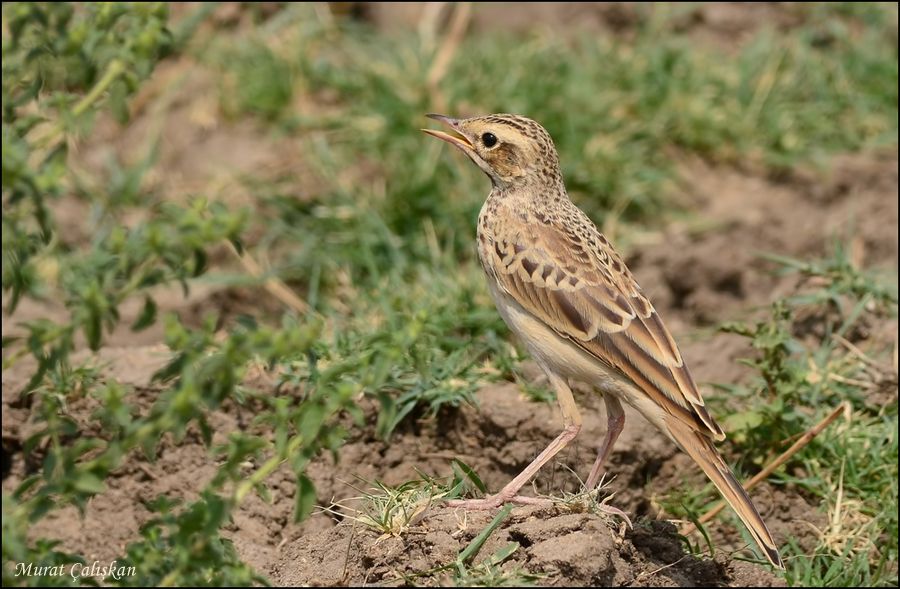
<point>552,351</point>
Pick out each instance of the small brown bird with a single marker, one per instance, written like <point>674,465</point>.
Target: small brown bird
<point>563,289</point>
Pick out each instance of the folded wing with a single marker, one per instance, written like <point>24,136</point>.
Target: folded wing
<point>577,284</point>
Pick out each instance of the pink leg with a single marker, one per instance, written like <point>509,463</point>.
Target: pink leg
<point>615,423</point>
<point>572,422</point>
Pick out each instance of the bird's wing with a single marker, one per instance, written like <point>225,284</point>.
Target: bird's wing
<point>573,280</point>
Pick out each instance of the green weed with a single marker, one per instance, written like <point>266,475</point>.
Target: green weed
<point>375,232</point>
<point>850,469</point>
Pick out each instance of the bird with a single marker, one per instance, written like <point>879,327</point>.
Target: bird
<point>567,294</point>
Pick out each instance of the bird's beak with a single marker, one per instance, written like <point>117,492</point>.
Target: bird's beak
<point>457,139</point>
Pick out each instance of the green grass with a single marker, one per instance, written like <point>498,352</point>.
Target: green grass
<point>375,233</point>
<point>616,109</point>
<point>398,511</point>
<point>404,212</point>
<point>850,469</point>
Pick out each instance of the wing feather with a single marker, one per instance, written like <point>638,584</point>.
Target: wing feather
<point>587,295</point>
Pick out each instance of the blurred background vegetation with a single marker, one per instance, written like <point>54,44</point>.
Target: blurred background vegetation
<point>275,149</point>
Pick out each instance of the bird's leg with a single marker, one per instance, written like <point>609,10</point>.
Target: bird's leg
<point>572,423</point>
<point>615,417</point>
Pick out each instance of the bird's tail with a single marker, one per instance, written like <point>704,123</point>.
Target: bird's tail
<point>701,449</point>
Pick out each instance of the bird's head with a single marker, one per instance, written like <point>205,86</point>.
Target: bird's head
<point>512,150</point>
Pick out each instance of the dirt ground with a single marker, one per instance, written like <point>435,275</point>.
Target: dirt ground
<point>697,272</point>
<point>693,278</point>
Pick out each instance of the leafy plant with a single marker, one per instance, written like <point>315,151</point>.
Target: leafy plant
<point>54,51</point>
<point>783,373</point>
<point>797,379</point>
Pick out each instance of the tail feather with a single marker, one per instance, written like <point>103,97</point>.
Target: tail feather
<point>701,449</point>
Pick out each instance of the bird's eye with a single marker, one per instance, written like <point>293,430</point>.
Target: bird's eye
<point>489,139</point>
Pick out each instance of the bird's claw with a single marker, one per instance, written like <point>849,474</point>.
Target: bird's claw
<point>613,510</point>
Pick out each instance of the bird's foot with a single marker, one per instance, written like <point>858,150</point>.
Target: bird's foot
<point>600,500</point>
<point>613,510</point>
<point>495,501</point>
